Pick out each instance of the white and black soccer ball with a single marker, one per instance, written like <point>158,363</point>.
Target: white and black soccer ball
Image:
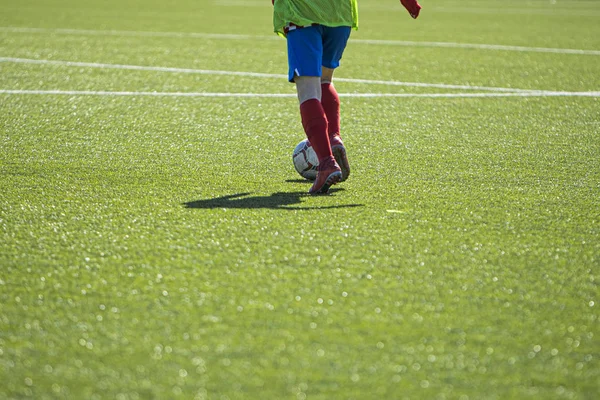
<point>305,160</point>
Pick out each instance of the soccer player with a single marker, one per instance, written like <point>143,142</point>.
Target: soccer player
<point>317,32</point>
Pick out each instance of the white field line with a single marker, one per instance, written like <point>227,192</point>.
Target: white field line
<point>478,46</point>
<point>140,68</point>
<point>524,10</point>
<point>256,75</point>
<point>405,43</point>
<point>289,95</point>
<point>92,32</point>
<point>521,11</point>
<point>550,9</point>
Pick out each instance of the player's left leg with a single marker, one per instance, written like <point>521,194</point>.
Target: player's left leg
<point>331,104</point>
<point>305,50</point>
<point>334,44</point>
<point>314,122</point>
<point>330,100</point>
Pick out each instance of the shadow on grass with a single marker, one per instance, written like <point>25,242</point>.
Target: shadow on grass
<point>279,200</point>
<point>299,180</point>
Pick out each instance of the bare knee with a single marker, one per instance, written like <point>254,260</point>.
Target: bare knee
<point>326,75</point>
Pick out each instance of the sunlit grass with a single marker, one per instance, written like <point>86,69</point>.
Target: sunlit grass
<point>164,247</point>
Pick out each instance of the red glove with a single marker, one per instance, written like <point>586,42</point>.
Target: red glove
<point>412,6</point>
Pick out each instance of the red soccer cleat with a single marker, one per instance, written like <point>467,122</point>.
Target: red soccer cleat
<point>412,6</point>
<point>339,152</point>
<point>329,174</point>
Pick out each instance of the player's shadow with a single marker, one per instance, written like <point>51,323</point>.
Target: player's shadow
<point>305,181</point>
<point>279,200</point>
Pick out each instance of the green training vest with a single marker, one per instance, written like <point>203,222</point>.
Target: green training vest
<point>306,12</point>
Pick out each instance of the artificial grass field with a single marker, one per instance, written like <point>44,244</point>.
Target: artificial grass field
<point>156,242</point>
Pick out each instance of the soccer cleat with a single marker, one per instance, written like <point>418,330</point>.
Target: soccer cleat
<point>339,152</point>
<point>329,174</point>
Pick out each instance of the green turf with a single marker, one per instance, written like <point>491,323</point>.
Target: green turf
<point>163,247</point>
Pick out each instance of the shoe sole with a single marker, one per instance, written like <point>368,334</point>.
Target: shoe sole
<point>331,180</point>
<point>339,153</point>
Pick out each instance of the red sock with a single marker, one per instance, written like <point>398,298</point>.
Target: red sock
<point>314,122</point>
<point>331,105</point>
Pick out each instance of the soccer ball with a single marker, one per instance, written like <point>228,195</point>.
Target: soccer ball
<point>305,160</point>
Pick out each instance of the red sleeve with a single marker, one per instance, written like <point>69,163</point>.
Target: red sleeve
<point>412,6</point>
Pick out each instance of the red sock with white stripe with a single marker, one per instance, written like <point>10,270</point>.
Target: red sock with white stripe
<point>314,122</point>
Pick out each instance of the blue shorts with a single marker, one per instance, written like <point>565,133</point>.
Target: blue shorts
<point>312,47</point>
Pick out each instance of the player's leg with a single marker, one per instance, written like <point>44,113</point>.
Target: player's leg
<point>330,100</point>
<point>308,88</point>
<point>305,50</point>
<point>334,44</point>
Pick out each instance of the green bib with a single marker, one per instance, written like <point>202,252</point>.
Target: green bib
<point>306,12</point>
